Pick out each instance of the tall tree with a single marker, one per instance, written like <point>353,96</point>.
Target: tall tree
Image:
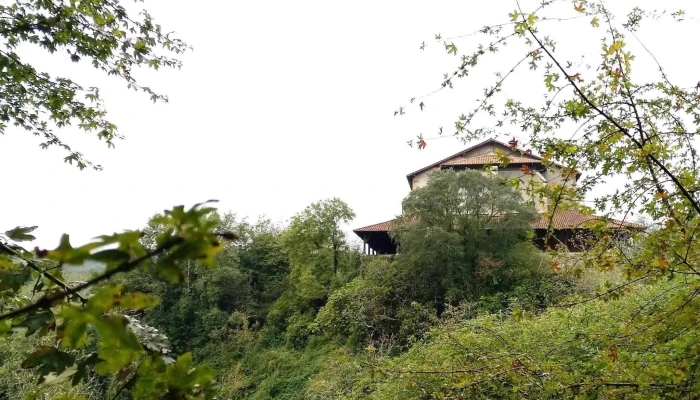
<point>320,260</point>
<point>319,229</point>
<point>462,234</point>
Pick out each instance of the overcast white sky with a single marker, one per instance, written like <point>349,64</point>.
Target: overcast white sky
<point>280,104</point>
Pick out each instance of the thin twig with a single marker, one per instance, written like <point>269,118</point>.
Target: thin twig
<point>46,302</point>
<point>41,271</point>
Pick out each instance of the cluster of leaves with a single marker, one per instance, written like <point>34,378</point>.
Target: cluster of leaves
<point>102,33</point>
<point>134,352</point>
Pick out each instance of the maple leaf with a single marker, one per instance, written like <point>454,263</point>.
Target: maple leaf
<point>545,156</point>
<point>595,22</point>
<point>525,169</point>
<point>451,49</point>
<point>555,267</point>
<point>421,144</point>
<point>661,195</point>
<point>513,143</point>
<point>421,106</point>
<point>579,7</point>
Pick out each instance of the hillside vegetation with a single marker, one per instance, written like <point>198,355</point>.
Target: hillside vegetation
<point>199,304</point>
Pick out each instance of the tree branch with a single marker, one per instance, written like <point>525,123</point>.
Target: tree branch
<point>41,271</point>
<point>47,301</point>
<point>615,123</point>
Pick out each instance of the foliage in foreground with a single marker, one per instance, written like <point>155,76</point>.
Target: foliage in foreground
<point>136,353</point>
<point>584,352</point>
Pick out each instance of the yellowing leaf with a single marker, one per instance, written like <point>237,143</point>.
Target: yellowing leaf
<point>518,314</point>
<point>615,47</point>
<point>595,22</point>
<point>661,195</point>
<point>662,263</point>
<point>579,7</point>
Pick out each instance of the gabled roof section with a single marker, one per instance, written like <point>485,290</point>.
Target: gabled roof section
<point>517,154</point>
<point>436,164</point>
<point>380,227</point>
<point>489,159</point>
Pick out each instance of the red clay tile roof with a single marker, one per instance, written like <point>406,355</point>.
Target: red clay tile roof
<point>563,219</point>
<point>490,159</point>
<point>380,227</point>
<point>569,219</point>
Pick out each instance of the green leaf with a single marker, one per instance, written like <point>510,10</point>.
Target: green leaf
<point>13,279</point>
<point>5,327</point>
<point>129,237</point>
<point>42,321</point>
<point>169,270</point>
<point>75,327</point>
<point>21,233</point>
<point>104,300</point>
<point>137,301</point>
<point>595,22</point>
<point>118,345</point>
<point>151,380</point>
<point>110,256</point>
<point>48,359</point>
<point>517,314</point>
<point>182,375</point>
<point>451,49</point>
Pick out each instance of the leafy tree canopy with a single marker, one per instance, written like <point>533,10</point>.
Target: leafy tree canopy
<point>103,33</point>
<point>463,234</point>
